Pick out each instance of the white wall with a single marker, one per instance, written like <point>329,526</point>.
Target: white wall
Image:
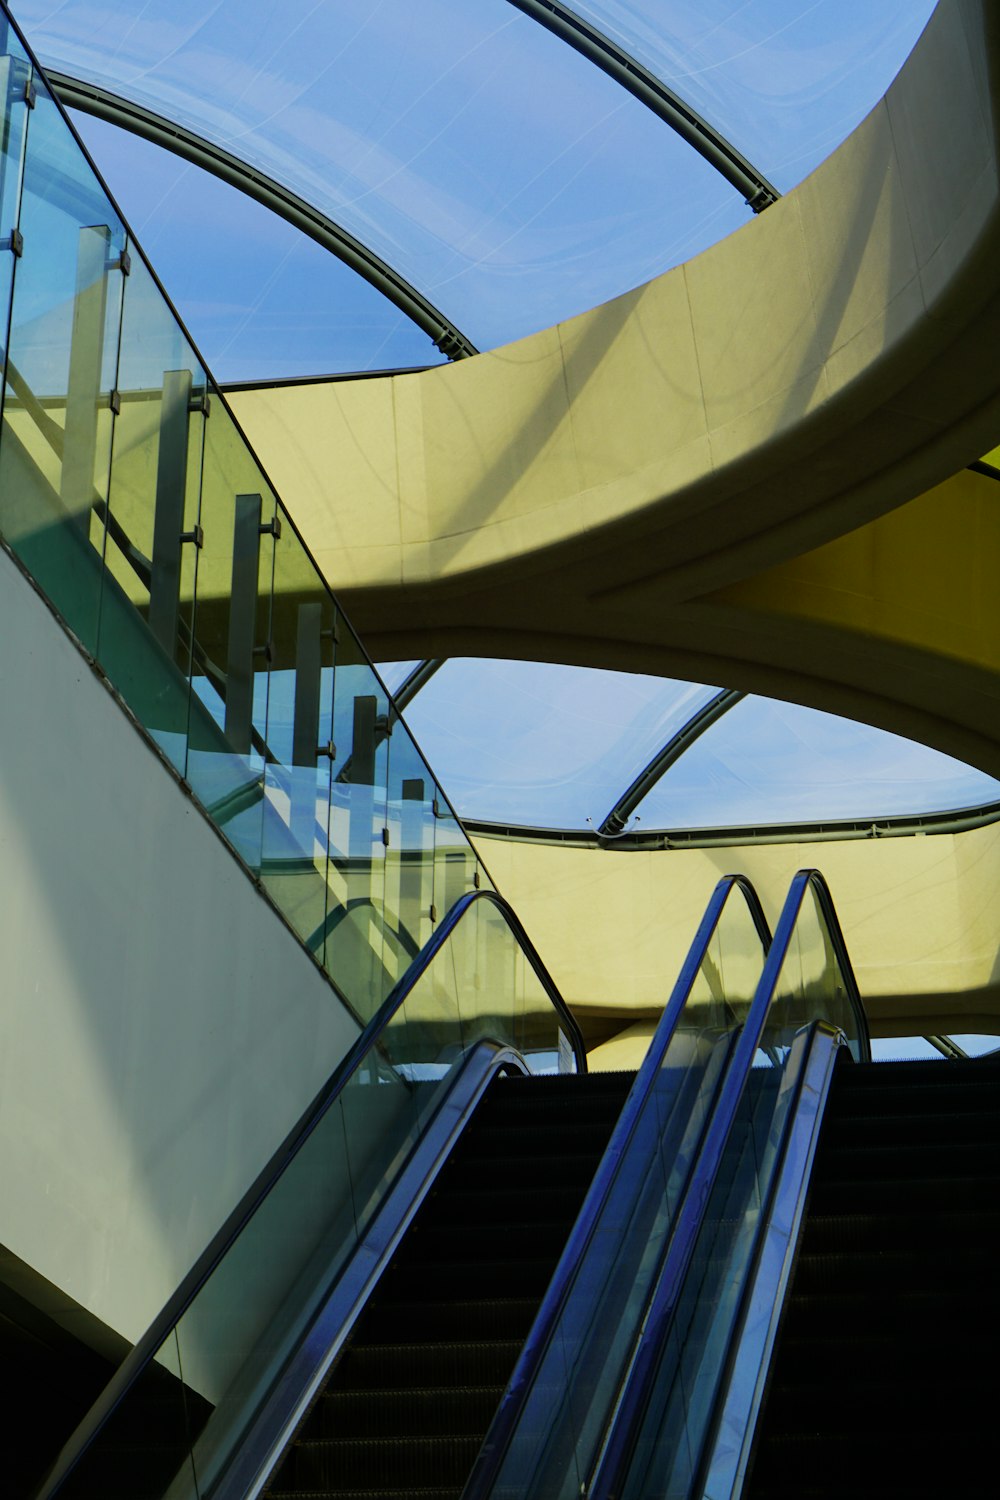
<point>161,1028</point>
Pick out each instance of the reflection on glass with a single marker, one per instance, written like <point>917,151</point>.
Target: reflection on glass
<point>810,985</point>
<point>129,493</point>
<point>145,641</point>
<point>251,1317</point>
<point>561,1427</point>
<point>263,301</point>
<point>61,358</point>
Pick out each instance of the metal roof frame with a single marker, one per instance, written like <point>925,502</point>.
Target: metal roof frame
<point>651,91</point>
<point>76,93</point>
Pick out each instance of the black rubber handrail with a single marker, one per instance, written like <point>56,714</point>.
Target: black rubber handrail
<point>502,1430</point>
<point>691,1214</point>
<point>135,1363</point>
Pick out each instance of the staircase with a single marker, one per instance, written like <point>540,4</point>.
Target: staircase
<point>409,1403</point>
<point>883,1381</point>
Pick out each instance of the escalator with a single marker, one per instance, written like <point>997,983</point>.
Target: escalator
<point>408,1404</point>
<point>879,1383</point>
<point>639,1369</point>
<point>409,1252</point>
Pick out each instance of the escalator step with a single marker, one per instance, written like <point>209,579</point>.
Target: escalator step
<point>476,1319</point>
<point>880,1451</point>
<point>523,1278</point>
<point>571,1169</point>
<point>893,1307</point>
<point>429,1243</point>
<point>410,1400</point>
<point>379,1492</point>
<point>843,1233</point>
<point>518,1141</point>
<point>910,1127</point>
<point>504,1205</point>
<point>892,1271</point>
<point>400,1367</point>
<point>368,1413</point>
<point>887,1195</point>
<point>927,1072</point>
<point>332,1466</point>
<point>816,1325</point>
<point>915,1163</point>
<point>804,1406</point>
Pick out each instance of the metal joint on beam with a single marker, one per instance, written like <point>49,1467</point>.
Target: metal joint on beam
<point>617,819</point>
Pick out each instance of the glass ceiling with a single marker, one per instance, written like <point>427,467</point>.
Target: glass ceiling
<point>501,173</point>
<point>541,746</point>
<point>292,310</point>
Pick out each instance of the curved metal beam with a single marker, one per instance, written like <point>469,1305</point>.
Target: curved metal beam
<point>421,674</point>
<point>654,94</point>
<point>618,817</point>
<point>104,105</point>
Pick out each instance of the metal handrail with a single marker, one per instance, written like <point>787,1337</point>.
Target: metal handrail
<point>529,1361</point>
<point>690,1217</point>
<point>142,1354</point>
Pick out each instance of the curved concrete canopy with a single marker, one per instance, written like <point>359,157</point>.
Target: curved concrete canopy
<point>595,493</point>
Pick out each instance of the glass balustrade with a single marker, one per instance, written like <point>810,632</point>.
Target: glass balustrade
<point>130,496</point>
<point>197,1393</point>
<point>807,979</point>
<point>552,1446</point>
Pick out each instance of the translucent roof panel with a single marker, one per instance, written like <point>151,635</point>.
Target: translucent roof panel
<point>784,80</point>
<point>501,173</point>
<point>395,673</point>
<point>261,300</point>
<point>549,746</point>
<point>766,762</point>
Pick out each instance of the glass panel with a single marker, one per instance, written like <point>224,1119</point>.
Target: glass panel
<point>785,80</point>
<point>356,872</point>
<point>496,169</point>
<point>563,1422</point>
<point>395,673</point>
<point>455,865</point>
<point>14,74</point>
<point>263,301</point>
<point>550,746</point>
<point>147,1442</point>
<point>767,762</point>
<point>809,986</point>
<point>231,624</point>
<point>145,641</point>
<point>256,1310</point>
<point>410,857</point>
<point>298,736</point>
<point>60,369</point>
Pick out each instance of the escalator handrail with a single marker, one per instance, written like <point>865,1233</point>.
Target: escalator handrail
<point>832,923</point>
<point>143,1352</point>
<point>694,1204</point>
<point>502,1430</point>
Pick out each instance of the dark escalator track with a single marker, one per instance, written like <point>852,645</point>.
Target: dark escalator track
<point>407,1406</point>
<point>883,1381</point>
